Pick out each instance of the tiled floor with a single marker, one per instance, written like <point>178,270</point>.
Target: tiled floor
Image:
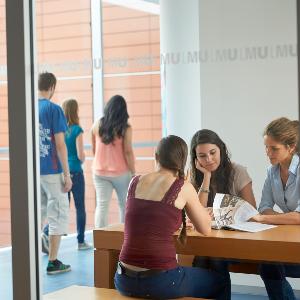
<point>81,274</point>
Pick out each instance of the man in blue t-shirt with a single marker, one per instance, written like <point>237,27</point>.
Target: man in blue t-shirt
<point>54,170</point>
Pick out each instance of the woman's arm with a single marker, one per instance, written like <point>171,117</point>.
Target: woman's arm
<point>247,194</point>
<point>195,210</point>
<point>93,137</point>
<point>291,218</point>
<point>128,151</point>
<point>62,153</point>
<point>267,201</point>
<point>204,189</point>
<point>80,148</point>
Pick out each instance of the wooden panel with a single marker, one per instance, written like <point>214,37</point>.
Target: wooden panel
<point>78,55</point>
<point>132,82</point>
<point>145,151</point>
<point>144,94</point>
<point>128,38</point>
<point>108,262</point>
<point>3,139</point>
<point>131,38</point>
<point>4,193</point>
<point>130,25</point>
<point>53,6</point>
<point>83,292</point>
<point>62,17</point>
<point>240,267</point>
<point>137,57</point>
<point>4,170</point>
<point>279,244</point>
<point>64,44</point>
<point>3,126</point>
<point>63,31</point>
<point>116,12</point>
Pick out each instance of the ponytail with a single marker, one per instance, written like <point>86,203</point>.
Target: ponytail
<point>182,234</point>
<point>181,174</point>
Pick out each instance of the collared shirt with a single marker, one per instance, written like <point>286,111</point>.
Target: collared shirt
<point>288,198</point>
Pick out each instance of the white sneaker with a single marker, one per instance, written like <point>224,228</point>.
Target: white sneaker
<point>84,246</point>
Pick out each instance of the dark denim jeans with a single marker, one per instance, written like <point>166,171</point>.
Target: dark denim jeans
<point>176,283</point>
<point>273,275</point>
<point>78,192</point>
<point>218,265</point>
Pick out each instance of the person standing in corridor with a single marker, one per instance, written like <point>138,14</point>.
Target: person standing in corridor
<point>54,170</point>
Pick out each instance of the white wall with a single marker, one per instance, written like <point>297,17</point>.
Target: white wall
<point>180,87</point>
<point>240,94</point>
<point>237,70</point>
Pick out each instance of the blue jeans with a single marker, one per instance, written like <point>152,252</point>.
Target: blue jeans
<point>176,283</point>
<point>218,265</point>
<point>104,186</point>
<point>273,275</point>
<point>78,192</point>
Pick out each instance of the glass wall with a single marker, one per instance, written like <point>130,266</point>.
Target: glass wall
<point>64,48</point>
<point>129,62</point>
<point>130,37</point>
<point>4,162</point>
<point>5,219</point>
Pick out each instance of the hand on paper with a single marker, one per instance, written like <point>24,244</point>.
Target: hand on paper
<point>257,218</point>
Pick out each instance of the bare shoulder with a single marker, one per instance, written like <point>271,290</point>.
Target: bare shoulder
<point>187,189</point>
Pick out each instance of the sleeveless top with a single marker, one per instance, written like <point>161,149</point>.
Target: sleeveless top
<point>70,138</point>
<point>109,159</point>
<point>149,228</point>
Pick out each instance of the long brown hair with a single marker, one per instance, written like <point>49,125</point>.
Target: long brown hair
<point>115,120</point>
<point>70,107</point>
<point>171,153</point>
<point>222,178</point>
<point>284,131</point>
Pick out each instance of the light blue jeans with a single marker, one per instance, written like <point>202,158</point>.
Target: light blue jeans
<point>104,186</point>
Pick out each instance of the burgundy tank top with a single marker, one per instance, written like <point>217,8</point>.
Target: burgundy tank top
<point>149,228</point>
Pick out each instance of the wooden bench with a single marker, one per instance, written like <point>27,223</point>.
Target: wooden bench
<point>245,267</point>
<point>76,292</point>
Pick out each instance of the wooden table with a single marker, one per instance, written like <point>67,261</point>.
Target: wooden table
<point>280,244</point>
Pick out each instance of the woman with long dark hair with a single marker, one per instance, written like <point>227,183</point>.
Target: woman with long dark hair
<point>113,164</point>
<point>155,209</point>
<point>213,172</point>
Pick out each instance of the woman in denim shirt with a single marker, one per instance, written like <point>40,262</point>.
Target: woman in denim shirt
<point>282,187</point>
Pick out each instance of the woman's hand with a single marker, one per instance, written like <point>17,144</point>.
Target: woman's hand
<point>189,224</point>
<point>257,218</point>
<point>210,212</point>
<point>201,168</point>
